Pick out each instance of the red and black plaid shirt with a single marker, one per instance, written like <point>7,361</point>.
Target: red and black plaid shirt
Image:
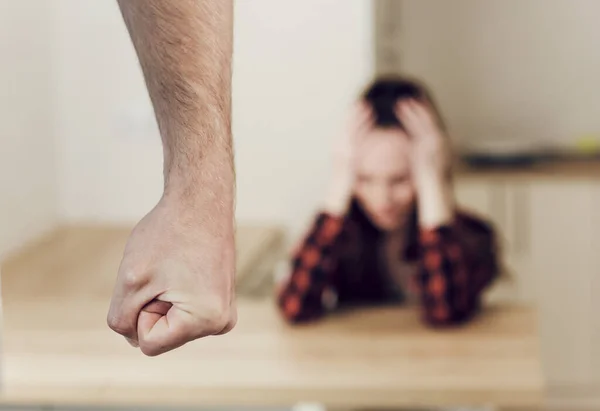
<point>336,261</point>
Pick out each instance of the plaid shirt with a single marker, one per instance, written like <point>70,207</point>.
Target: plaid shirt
<point>331,269</point>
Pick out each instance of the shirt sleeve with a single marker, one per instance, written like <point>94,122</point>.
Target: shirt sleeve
<point>457,263</point>
<point>309,290</point>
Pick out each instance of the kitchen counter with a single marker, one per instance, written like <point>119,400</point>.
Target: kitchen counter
<point>380,357</point>
<point>554,169</point>
<point>58,351</point>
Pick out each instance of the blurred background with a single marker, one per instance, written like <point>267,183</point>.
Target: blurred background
<point>516,80</point>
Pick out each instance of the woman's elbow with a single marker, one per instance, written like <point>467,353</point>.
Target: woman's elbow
<point>293,312</point>
<point>297,318</point>
<point>444,317</point>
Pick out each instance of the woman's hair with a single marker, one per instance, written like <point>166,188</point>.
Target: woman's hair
<point>384,93</point>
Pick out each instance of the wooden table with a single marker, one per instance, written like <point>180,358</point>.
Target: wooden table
<point>58,351</point>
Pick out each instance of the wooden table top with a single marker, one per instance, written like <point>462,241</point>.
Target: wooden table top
<point>59,351</point>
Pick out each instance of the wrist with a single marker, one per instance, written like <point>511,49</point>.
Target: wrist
<point>435,202</point>
<point>205,189</point>
<point>339,196</point>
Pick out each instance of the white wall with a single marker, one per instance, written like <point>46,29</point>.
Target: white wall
<point>502,68</point>
<point>106,172</point>
<point>28,184</point>
<point>498,68</point>
<point>297,66</point>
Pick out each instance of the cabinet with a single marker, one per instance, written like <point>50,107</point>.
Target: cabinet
<point>506,203</point>
<point>595,291</point>
<point>564,224</point>
<point>549,229</point>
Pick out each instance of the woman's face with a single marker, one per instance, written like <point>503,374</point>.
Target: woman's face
<point>384,185</point>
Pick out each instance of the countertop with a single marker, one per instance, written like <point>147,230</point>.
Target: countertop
<point>380,357</point>
<point>57,349</point>
<point>554,169</point>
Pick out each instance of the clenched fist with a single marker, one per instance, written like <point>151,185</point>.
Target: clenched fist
<point>176,280</point>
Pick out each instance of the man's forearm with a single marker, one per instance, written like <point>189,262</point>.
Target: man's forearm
<point>185,48</point>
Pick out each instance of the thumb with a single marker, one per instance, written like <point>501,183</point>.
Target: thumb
<point>152,312</point>
<point>158,330</point>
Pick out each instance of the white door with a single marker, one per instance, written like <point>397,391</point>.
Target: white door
<point>563,251</point>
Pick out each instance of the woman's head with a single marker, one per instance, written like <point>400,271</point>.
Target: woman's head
<point>384,185</point>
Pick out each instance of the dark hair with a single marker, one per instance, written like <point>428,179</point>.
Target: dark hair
<point>385,91</point>
<point>382,95</point>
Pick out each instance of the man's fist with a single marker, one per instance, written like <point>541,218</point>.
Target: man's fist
<point>176,280</point>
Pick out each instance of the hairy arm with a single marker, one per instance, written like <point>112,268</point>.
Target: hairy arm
<point>185,48</point>
<point>176,280</point>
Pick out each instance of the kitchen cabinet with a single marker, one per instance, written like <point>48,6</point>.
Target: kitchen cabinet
<point>564,226</point>
<point>549,231</point>
<point>595,289</point>
<point>506,203</point>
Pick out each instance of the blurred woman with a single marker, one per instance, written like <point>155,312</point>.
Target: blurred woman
<point>389,230</point>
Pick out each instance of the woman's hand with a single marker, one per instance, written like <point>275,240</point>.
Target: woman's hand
<point>431,162</point>
<point>431,153</point>
<point>359,123</point>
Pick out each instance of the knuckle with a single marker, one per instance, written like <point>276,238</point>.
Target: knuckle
<point>219,316</point>
<point>118,325</point>
<point>231,323</point>
<point>151,350</point>
<point>132,279</point>
<point>217,323</point>
<point>157,344</point>
<point>132,342</point>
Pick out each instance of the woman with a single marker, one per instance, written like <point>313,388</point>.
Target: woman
<point>389,230</point>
